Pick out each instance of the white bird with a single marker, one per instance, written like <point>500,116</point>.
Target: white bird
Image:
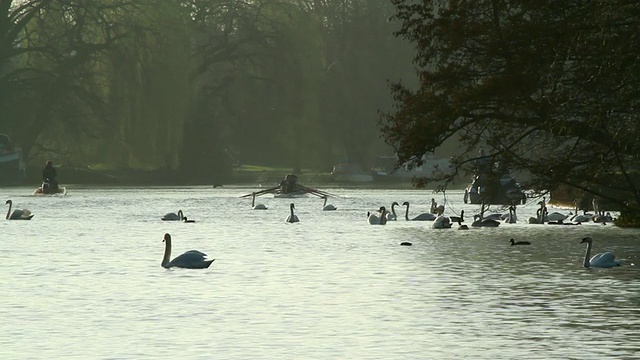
<point>392,216</point>
<point>434,206</point>
<point>540,213</point>
<point>478,221</point>
<point>192,259</point>
<point>381,219</point>
<point>511,217</point>
<point>326,207</point>
<point>18,214</point>
<point>441,222</point>
<point>173,216</point>
<point>580,218</point>
<point>421,217</point>
<point>255,206</point>
<point>556,217</point>
<point>292,217</point>
<point>603,260</point>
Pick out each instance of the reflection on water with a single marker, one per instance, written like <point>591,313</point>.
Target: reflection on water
<point>83,280</point>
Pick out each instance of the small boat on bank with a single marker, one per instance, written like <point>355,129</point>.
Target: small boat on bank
<point>12,167</point>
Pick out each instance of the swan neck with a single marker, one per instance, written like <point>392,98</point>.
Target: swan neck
<point>406,213</point>
<point>587,255</point>
<point>167,253</point>
<point>9,211</point>
<point>253,200</point>
<point>180,215</point>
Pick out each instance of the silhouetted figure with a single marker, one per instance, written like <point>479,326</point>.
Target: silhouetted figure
<point>49,181</point>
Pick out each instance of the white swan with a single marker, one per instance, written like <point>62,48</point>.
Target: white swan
<point>421,217</point>
<point>326,207</point>
<point>392,216</point>
<point>292,217</point>
<point>18,214</point>
<point>511,217</point>
<point>381,219</point>
<point>173,216</point>
<point>584,217</point>
<point>556,217</point>
<point>478,221</point>
<point>192,259</point>
<point>434,206</point>
<point>255,206</point>
<point>540,213</point>
<point>603,260</point>
<point>441,222</point>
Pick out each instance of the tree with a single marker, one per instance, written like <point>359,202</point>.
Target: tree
<point>550,88</point>
<point>49,51</point>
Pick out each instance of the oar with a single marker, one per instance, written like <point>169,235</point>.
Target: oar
<point>319,193</point>
<point>261,192</point>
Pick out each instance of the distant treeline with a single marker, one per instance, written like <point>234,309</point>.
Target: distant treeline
<point>194,86</point>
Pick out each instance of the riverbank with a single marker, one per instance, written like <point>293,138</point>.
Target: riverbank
<point>249,175</point>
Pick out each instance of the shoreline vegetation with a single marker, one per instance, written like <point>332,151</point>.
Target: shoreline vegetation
<point>250,175</point>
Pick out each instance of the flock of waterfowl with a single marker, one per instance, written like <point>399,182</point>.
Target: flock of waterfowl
<point>194,259</point>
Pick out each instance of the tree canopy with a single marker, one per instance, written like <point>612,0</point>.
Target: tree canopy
<point>548,87</point>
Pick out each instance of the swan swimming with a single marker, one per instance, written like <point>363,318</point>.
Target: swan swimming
<point>513,242</point>
<point>326,207</point>
<point>603,260</point>
<point>255,206</point>
<point>392,216</point>
<point>421,217</point>
<point>480,222</point>
<point>381,219</point>
<point>18,214</point>
<point>292,217</point>
<point>192,259</point>
<point>511,218</point>
<point>184,219</point>
<point>173,216</point>
<point>441,222</point>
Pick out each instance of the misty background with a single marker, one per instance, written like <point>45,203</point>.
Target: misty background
<point>196,86</point>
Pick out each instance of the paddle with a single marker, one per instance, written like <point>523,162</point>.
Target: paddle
<point>262,192</point>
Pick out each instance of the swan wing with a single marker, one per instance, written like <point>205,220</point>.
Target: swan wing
<point>191,258</point>
<point>606,259</point>
<point>20,214</point>
<point>424,217</point>
<point>171,216</point>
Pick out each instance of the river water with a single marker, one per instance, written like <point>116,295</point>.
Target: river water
<point>82,280</point>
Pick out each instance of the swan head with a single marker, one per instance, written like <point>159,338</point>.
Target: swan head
<point>382,209</point>
<point>587,240</point>
<point>395,203</point>
<point>512,241</point>
<point>7,202</point>
<point>406,203</point>
<point>292,206</point>
<point>167,238</point>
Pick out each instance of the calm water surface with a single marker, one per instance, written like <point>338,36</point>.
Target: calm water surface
<point>82,280</point>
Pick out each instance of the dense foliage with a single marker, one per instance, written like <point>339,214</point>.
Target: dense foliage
<point>193,85</point>
<point>548,87</point>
